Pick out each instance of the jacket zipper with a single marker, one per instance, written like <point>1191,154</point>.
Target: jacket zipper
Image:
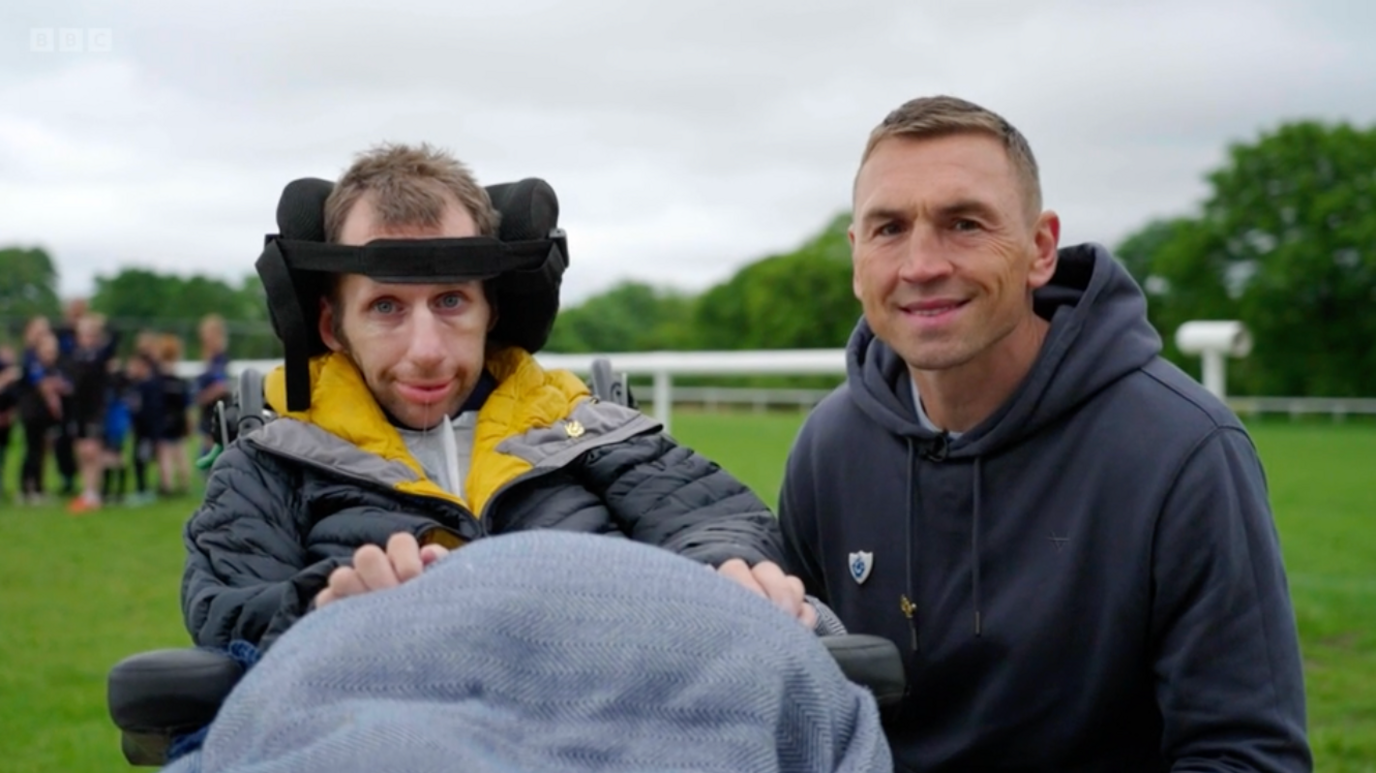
<point>462,512</point>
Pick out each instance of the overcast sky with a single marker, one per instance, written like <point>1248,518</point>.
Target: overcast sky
<point>685,139</point>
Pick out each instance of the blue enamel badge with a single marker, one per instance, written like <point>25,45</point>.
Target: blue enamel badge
<point>861,562</point>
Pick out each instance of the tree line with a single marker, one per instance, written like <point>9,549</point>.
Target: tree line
<point>134,299</point>
<point>1285,242</point>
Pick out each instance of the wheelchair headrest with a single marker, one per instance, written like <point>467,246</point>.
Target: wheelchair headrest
<point>522,268</point>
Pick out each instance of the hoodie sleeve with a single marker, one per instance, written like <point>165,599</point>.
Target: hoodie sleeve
<point>1229,676</point>
<point>247,575</point>
<point>668,495</point>
<point>798,516</point>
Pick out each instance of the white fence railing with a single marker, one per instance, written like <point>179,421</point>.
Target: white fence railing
<point>1337,407</point>
<point>662,367</point>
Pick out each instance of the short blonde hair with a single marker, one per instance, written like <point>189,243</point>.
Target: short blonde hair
<point>408,184</point>
<point>940,116</point>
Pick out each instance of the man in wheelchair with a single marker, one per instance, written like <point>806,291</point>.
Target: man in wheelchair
<point>413,419</point>
<point>410,419</point>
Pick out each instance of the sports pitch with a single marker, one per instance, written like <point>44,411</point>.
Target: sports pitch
<point>79,593</point>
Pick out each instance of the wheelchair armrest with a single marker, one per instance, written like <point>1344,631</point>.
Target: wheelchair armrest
<point>159,695</point>
<point>870,661</point>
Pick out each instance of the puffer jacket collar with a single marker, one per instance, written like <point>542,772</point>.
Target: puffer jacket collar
<point>535,420</point>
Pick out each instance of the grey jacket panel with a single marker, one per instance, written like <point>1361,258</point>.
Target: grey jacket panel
<point>308,444</point>
<point>592,423</point>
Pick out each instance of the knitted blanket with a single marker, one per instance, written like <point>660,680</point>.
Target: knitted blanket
<point>547,651</point>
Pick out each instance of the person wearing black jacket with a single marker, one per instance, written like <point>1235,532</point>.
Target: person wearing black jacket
<point>64,441</point>
<point>174,464</point>
<point>1068,537</point>
<point>428,424</point>
<point>40,403</point>
<point>148,414</point>
<point>11,382</point>
<point>89,371</point>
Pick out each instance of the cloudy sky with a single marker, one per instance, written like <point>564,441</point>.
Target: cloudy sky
<point>685,138</point>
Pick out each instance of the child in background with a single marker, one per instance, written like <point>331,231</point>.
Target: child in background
<point>212,385</point>
<point>11,381</point>
<point>34,330</point>
<point>88,367</point>
<point>118,420</point>
<point>40,408</point>
<point>147,413</point>
<point>174,462</point>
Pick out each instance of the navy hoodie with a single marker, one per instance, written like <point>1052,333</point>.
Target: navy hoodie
<point>1089,580</point>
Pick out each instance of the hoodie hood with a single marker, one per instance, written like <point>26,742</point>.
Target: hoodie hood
<point>1098,334</point>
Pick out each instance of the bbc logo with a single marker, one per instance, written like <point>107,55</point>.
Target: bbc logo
<point>70,40</point>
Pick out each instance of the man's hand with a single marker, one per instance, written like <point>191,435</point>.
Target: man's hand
<point>768,580</point>
<point>373,569</point>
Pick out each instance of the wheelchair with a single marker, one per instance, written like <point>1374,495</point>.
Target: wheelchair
<point>155,698</point>
<point>159,698</point>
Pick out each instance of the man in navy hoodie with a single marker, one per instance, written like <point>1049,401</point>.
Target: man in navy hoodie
<point>1068,537</point>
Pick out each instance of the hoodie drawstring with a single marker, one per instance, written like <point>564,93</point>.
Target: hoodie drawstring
<point>904,602</point>
<point>939,453</point>
<point>974,549</point>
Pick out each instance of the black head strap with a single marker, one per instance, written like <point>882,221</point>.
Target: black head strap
<point>428,260</point>
<point>291,327</point>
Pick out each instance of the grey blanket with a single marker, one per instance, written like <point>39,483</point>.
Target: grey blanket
<point>548,651</point>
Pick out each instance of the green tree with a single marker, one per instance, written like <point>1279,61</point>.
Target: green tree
<point>28,286</point>
<point>251,336</point>
<point>1180,266</point>
<point>799,300</point>
<point>146,299</point>
<point>1286,243</point>
<point>630,317</point>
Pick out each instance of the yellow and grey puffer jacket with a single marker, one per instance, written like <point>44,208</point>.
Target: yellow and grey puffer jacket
<point>288,503</point>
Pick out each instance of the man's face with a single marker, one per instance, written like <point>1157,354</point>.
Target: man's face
<point>945,250</point>
<point>420,347</point>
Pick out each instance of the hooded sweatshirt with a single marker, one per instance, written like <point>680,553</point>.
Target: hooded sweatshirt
<point>1088,580</point>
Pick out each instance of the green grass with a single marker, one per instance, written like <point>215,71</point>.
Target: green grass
<point>79,593</point>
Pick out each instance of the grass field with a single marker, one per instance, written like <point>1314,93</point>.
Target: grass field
<point>79,593</point>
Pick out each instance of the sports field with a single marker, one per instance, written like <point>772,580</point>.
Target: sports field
<point>79,593</point>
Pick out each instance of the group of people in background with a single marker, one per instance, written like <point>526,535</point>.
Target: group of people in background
<point>98,415</point>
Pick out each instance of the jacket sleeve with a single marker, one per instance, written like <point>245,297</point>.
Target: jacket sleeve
<point>666,494</point>
<point>1227,659</point>
<point>248,575</point>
